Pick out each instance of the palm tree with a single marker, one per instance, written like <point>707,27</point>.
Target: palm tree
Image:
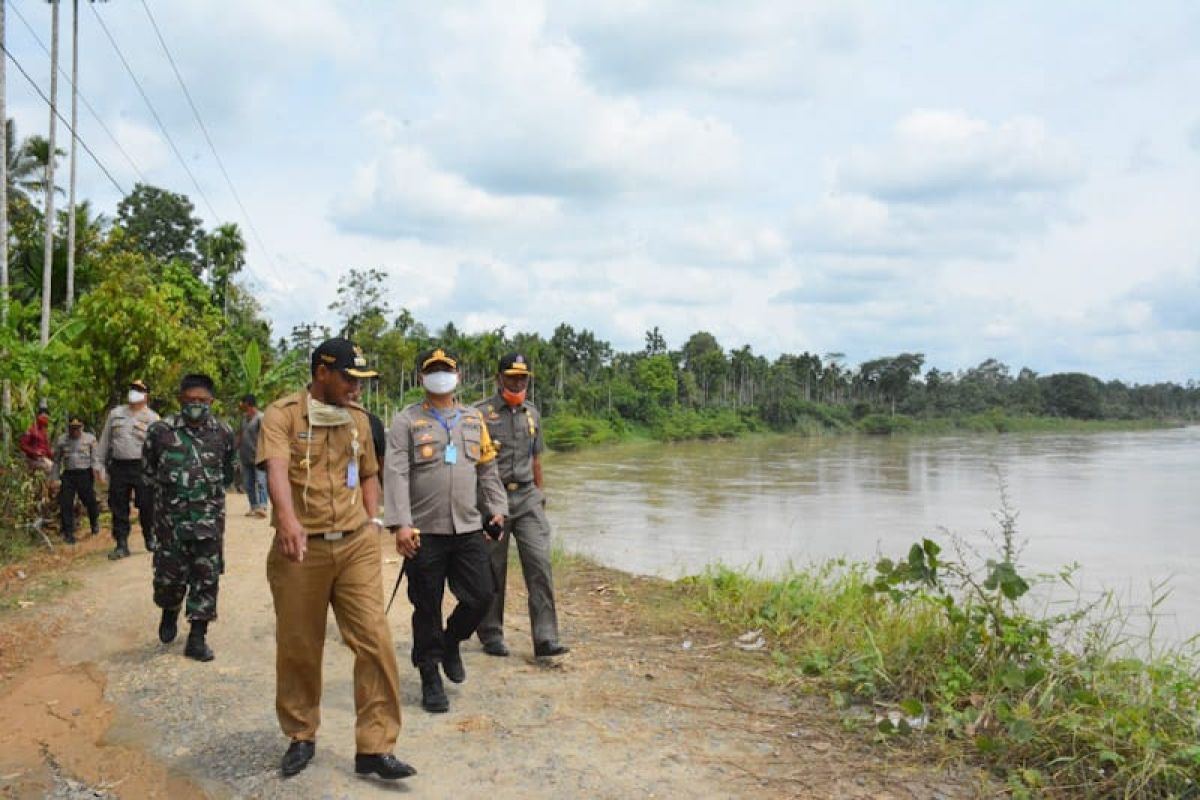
<point>26,171</point>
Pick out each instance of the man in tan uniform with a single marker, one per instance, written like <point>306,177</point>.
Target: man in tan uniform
<point>440,466</point>
<point>322,480</point>
<point>120,453</point>
<point>516,427</point>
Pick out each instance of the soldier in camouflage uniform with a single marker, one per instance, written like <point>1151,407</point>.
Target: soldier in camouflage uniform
<point>188,460</point>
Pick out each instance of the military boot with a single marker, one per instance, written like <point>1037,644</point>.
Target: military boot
<point>452,663</point>
<point>168,628</point>
<point>196,647</point>
<point>433,694</point>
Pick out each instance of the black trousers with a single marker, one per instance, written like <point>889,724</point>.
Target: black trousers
<point>77,483</point>
<point>125,479</point>
<point>462,561</point>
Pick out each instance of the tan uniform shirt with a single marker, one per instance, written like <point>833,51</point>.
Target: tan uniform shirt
<point>422,490</point>
<point>517,433</point>
<point>73,453</point>
<point>123,435</point>
<point>318,460</point>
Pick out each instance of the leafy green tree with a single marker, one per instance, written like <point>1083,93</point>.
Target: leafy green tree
<point>361,295</point>
<point>137,325</point>
<point>225,250</point>
<point>160,224</point>
<point>1072,394</point>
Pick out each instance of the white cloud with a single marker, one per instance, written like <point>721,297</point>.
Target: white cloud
<point>937,156</point>
<point>402,193</point>
<point>516,115</point>
<point>946,185</point>
<point>763,46</point>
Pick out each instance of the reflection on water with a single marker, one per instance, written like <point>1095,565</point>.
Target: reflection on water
<point>1122,505</point>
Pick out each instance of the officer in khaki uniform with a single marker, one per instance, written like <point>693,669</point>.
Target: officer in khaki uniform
<point>515,426</point>
<point>74,456</point>
<point>322,479</point>
<point>440,463</point>
<point>120,453</point>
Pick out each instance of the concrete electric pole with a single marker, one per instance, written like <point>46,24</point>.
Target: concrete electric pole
<point>48,258</point>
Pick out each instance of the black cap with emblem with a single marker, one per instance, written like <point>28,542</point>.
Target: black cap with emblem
<point>342,354</point>
<point>515,364</point>
<point>436,355</point>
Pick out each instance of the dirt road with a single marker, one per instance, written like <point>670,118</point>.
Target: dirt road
<point>93,706</point>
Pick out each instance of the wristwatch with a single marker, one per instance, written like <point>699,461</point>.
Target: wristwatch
<point>379,521</point>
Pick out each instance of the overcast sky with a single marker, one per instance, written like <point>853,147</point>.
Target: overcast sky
<point>967,180</point>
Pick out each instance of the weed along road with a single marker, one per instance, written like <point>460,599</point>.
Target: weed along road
<point>653,700</point>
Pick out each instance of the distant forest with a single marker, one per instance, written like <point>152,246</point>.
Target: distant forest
<point>590,392</point>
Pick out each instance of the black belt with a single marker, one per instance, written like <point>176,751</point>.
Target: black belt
<point>77,471</point>
<point>330,536</point>
<point>513,486</point>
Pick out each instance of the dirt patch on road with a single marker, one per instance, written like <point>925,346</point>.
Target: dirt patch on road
<point>652,701</point>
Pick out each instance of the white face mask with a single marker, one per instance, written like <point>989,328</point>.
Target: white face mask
<point>440,382</point>
<point>136,397</point>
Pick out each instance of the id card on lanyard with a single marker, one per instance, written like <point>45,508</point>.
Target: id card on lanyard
<point>352,467</point>
<point>451,455</point>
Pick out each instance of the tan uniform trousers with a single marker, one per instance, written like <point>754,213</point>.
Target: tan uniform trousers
<point>346,574</point>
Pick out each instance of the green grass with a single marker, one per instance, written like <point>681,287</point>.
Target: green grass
<point>1056,705</point>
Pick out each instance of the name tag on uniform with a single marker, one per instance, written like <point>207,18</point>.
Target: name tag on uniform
<point>352,474</point>
<point>451,454</point>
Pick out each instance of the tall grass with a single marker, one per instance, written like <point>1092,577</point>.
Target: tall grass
<point>1055,704</point>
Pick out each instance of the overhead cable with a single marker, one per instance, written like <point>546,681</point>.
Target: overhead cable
<point>62,119</point>
<point>182,161</point>
<point>204,129</point>
<point>80,95</point>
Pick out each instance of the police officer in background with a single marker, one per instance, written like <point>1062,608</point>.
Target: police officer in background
<point>440,461</point>
<point>322,479</point>
<point>188,462</point>
<point>74,456</point>
<point>120,452</point>
<point>515,427</point>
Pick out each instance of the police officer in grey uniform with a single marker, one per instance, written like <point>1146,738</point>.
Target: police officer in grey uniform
<point>120,452</point>
<point>515,426</point>
<point>74,456</point>
<point>440,463</point>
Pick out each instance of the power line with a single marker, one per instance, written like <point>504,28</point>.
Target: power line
<point>154,113</point>
<point>78,138</point>
<point>204,129</point>
<point>79,94</point>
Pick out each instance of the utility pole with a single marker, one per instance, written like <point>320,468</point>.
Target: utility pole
<point>70,301</point>
<point>7,400</point>
<point>48,257</point>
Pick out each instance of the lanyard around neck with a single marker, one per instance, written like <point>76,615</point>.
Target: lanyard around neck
<point>448,424</point>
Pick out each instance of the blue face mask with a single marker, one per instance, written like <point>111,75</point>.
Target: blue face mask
<point>195,412</point>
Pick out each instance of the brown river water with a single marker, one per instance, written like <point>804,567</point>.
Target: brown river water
<point>1124,506</point>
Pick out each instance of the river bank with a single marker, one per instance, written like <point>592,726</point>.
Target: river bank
<point>568,432</point>
<point>655,699</point>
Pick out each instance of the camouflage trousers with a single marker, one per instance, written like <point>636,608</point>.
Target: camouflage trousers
<point>191,567</point>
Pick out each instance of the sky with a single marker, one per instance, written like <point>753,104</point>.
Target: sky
<point>1010,180</point>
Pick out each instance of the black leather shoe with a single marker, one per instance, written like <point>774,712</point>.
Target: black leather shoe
<point>452,660</point>
<point>168,628</point>
<point>385,765</point>
<point>198,649</point>
<point>120,551</point>
<point>297,757</point>
<point>548,649</point>
<point>151,545</point>
<point>496,647</point>
<point>433,694</point>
